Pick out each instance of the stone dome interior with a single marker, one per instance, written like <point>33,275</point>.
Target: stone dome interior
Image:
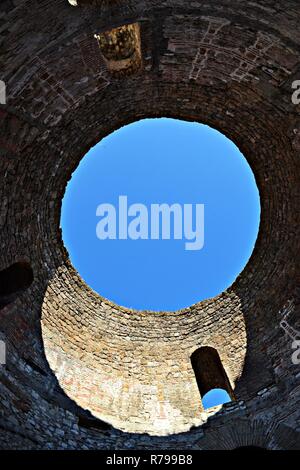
<point>80,371</point>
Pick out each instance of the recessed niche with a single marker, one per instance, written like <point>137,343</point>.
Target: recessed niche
<point>121,49</point>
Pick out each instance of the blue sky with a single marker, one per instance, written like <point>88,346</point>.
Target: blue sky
<point>162,161</point>
<point>215,397</point>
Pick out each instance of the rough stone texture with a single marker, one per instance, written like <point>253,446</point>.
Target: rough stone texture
<point>121,49</point>
<point>228,64</point>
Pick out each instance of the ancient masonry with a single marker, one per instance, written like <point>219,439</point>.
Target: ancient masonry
<point>77,371</point>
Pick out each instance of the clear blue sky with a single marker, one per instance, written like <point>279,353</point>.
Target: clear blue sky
<point>162,161</point>
<point>215,397</point>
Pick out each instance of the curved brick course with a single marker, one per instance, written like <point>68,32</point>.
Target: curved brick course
<point>69,349</point>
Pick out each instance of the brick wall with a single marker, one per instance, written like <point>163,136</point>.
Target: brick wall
<point>80,371</point>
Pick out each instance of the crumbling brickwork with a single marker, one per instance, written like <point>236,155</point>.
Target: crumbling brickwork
<point>81,372</point>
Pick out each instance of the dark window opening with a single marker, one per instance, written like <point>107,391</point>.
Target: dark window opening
<point>13,281</point>
<point>210,374</point>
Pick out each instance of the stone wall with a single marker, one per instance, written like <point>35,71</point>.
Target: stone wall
<point>80,371</point>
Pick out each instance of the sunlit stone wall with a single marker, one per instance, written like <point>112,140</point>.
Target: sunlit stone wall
<point>81,372</point>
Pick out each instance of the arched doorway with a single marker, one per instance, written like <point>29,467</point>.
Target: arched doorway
<point>210,373</point>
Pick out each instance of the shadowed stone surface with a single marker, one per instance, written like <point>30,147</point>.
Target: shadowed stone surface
<point>229,66</point>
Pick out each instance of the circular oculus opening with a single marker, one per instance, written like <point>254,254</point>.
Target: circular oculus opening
<point>161,214</point>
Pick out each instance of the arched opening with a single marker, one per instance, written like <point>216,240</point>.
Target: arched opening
<point>13,281</point>
<point>215,397</point>
<point>211,376</point>
<point>174,201</point>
